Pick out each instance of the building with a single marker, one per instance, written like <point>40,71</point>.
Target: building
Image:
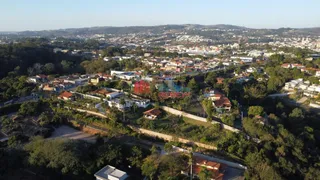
<point>117,103</point>
<point>198,164</point>
<point>220,80</point>
<point>141,87</point>
<point>101,92</point>
<point>142,103</point>
<point>113,95</point>
<point>242,59</point>
<point>289,86</point>
<point>110,173</point>
<point>222,103</point>
<point>152,114</point>
<point>67,96</point>
<point>219,100</point>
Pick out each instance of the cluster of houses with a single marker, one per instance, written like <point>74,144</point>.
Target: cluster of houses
<point>302,68</point>
<point>59,84</point>
<point>179,65</point>
<point>113,98</point>
<point>215,169</point>
<point>306,87</point>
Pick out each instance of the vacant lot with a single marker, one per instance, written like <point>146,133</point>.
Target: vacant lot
<point>70,133</point>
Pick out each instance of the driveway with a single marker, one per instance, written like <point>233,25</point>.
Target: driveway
<point>302,100</point>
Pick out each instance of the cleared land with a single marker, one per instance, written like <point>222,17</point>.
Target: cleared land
<point>70,133</point>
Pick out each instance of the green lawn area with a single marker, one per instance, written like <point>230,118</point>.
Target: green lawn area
<point>195,122</point>
<point>185,128</point>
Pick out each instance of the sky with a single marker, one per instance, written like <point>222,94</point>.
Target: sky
<point>20,15</point>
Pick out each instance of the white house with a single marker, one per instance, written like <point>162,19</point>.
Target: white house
<point>243,59</point>
<point>110,173</point>
<point>317,74</point>
<point>143,103</point>
<point>33,79</point>
<point>116,103</point>
<point>292,84</point>
<point>251,70</point>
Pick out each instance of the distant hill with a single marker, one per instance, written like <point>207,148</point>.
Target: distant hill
<point>145,30</point>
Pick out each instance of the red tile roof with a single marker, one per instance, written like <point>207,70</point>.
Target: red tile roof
<point>154,112</point>
<point>65,94</point>
<point>223,101</point>
<point>211,166</point>
<point>101,91</point>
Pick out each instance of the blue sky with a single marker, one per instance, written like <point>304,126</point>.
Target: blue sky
<point>17,15</point>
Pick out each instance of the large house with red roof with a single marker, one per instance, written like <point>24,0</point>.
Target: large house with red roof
<point>65,95</point>
<point>199,164</point>
<point>219,100</point>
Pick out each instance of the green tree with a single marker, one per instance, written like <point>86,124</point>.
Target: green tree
<point>66,65</point>
<point>49,68</point>
<point>193,85</point>
<point>296,113</point>
<point>228,119</point>
<point>136,157</point>
<point>205,174</point>
<point>255,110</point>
<point>171,165</point>
<point>149,166</point>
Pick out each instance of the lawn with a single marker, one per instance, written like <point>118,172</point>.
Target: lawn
<point>196,109</point>
<point>195,122</point>
<point>185,128</point>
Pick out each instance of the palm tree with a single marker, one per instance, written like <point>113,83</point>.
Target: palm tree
<point>135,107</point>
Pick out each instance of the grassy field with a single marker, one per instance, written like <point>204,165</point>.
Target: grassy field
<point>195,122</point>
<point>185,128</point>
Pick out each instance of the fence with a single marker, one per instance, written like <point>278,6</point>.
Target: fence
<point>171,138</point>
<point>197,118</point>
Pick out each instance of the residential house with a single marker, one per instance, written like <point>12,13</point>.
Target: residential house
<point>67,96</point>
<point>286,65</point>
<point>242,59</point>
<point>110,173</point>
<point>48,87</point>
<point>95,80</point>
<point>220,80</point>
<point>219,100</point>
<point>152,114</point>
<point>142,103</point>
<point>105,76</point>
<point>127,76</point>
<point>33,79</point>
<point>101,92</point>
<point>289,86</point>
<point>141,88</point>
<point>117,103</point>
<point>200,163</point>
<point>113,95</point>
<point>223,103</point>
<point>298,66</point>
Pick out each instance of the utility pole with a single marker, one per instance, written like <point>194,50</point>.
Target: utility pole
<point>191,164</point>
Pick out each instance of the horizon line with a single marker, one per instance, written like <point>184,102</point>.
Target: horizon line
<point>6,31</point>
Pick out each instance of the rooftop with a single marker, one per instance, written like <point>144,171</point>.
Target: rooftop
<point>108,171</point>
<point>65,94</point>
<point>155,112</point>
